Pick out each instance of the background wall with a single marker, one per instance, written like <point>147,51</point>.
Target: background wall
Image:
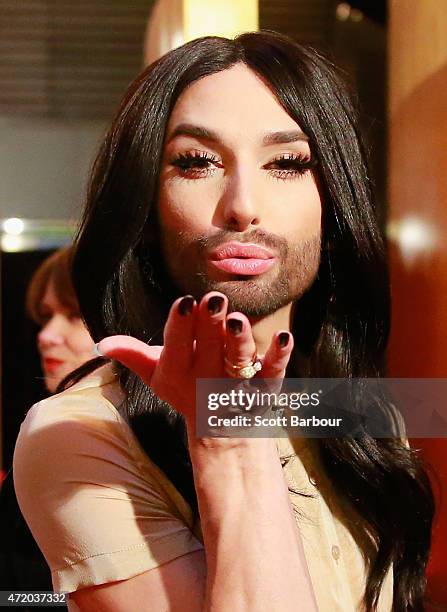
<point>63,68</point>
<point>44,165</point>
<point>418,227</point>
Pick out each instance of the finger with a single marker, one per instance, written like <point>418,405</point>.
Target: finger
<point>240,344</point>
<point>277,356</point>
<point>210,334</point>
<point>132,353</point>
<point>178,336</point>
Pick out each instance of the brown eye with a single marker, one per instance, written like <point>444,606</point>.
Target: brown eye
<point>195,164</point>
<point>290,166</point>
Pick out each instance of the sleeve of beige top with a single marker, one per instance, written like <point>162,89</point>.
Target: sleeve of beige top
<point>98,513</point>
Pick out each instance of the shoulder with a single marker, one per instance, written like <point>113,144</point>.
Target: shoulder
<point>80,432</point>
<point>98,507</point>
<point>96,395</point>
<point>61,441</point>
<point>64,425</point>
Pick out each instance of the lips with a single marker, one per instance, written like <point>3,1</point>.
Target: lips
<point>242,259</point>
<point>51,364</point>
<point>230,250</point>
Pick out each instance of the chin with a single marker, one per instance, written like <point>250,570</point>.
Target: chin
<point>52,383</point>
<point>255,297</point>
<point>50,387</point>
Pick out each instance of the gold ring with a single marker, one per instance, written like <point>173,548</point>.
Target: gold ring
<point>243,370</point>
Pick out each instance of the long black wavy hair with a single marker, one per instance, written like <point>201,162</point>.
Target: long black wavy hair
<point>341,324</point>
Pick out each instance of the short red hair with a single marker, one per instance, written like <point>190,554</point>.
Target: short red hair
<point>56,269</point>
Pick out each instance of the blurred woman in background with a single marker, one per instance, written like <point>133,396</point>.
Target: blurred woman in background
<point>63,341</point>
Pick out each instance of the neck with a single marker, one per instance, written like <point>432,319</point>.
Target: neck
<point>264,327</point>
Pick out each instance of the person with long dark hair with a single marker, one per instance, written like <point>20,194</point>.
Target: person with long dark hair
<point>229,226</point>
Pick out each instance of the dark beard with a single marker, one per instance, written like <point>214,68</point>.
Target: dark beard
<point>260,296</point>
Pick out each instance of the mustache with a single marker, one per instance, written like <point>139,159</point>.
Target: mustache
<point>256,236</point>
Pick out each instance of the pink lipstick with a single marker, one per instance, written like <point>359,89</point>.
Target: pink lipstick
<point>243,259</point>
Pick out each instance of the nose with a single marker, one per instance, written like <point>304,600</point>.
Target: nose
<point>52,333</point>
<point>240,203</point>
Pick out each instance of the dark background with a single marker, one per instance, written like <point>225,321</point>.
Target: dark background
<point>22,375</point>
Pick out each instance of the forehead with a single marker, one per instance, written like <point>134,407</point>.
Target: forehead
<point>235,100</point>
<point>49,296</point>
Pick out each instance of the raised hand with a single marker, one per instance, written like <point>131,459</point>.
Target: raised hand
<point>198,338</point>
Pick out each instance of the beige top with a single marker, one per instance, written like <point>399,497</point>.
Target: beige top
<point>101,510</point>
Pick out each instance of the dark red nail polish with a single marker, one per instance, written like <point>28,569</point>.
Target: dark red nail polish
<point>186,305</point>
<point>235,326</point>
<point>215,304</point>
<point>283,339</point>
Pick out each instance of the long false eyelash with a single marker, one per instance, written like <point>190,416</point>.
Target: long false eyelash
<point>182,160</point>
<point>300,162</point>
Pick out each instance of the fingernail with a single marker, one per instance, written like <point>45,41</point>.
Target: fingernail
<point>283,339</point>
<point>96,352</point>
<point>235,326</point>
<point>186,305</point>
<point>215,304</point>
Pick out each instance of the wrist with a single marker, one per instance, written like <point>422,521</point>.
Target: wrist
<point>236,450</point>
<point>237,470</point>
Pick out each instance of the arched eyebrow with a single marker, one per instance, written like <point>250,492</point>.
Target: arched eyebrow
<point>284,137</point>
<point>203,133</point>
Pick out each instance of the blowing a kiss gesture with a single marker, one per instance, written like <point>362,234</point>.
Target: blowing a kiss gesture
<point>200,341</point>
<point>204,341</point>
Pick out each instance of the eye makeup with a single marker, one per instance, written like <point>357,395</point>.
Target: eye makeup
<point>199,164</point>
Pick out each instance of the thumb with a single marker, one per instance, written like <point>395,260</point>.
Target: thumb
<point>132,353</point>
